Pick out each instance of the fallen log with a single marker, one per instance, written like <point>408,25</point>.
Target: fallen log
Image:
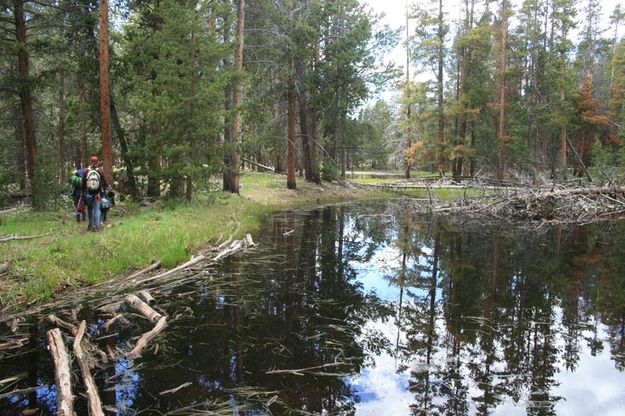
<point>93,398</point>
<point>61,323</point>
<point>175,390</point>
<point>111,321</point>
<point>143,308</point>
<point>146,296</point>
<point>62,373</point>
<point>22,237</point>
<point>148,269</point>
<point>174,270</point>
<point>147,337</point>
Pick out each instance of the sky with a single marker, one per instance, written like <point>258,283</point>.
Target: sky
<point>394,16</point>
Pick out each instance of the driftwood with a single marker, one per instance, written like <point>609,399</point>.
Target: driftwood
<point>148,269</point>
<point>147,337</point>
<point>22,237</point>
<point>20,392</point>
<point>111,321</point>
<point>143,308</point>
<point>571,205</point>
<point>61,323</point>
<point>174,270</point>
<point>175,390</point>
<point>300,371</point>
<point>62,373</point>
<point>93,398</point>
<point>146,295</point>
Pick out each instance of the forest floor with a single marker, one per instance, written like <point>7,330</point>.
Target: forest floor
<point>45,255</point>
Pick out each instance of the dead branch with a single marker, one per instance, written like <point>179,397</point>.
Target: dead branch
<point>143,308</point>
<point>174,270</point>
<point>174,390</point>
<point>148,269</point>
<point>22,237</point>
<point>111,321</point>
<point>13,344</point>
<point>146,295</point>
<point>147,337</point>
<point>93,398</point>
<point>21,391</point>
<point>299,371</point>
<point>62,373</point>
<point>12,378</point>
<point>61,323</point>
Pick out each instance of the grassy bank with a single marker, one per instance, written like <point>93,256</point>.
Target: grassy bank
<point>70,257</point>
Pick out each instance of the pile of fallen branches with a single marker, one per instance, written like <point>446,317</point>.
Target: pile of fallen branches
<point>151,278</point>
<point>571,205</point>
<point>87,353</point>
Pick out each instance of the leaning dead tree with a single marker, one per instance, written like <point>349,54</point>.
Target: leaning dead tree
<point>574,205</point>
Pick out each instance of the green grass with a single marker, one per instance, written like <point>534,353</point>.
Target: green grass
<point>172,232</point>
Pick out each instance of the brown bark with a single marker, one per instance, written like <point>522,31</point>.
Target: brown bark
<point>93,398</point>
<point>82,128</point>
<point>305,124</point>
<point>62,373</point>
<point>501,131</point>
<point>105,108</point>
<point>236,100</point>
<point>291,163</point>
<point>143,308</point>
<point>61,127</point>
<point>441,116</point>
<point>26,105</point>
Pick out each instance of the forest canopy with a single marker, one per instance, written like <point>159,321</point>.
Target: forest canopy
<point>180,96</point>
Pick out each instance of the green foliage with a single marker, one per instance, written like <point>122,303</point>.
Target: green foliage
<point>329,172</point>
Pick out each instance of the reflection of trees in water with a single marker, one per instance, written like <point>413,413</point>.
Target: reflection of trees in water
<point>505,299</point>
<point>486,315</point>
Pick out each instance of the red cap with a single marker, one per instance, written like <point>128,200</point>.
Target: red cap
<point>94,159</point>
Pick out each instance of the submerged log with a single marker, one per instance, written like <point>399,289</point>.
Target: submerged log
<point>62,373</point>
<point>143,308</point>
<point>93,397</point>
<point>147,337</point>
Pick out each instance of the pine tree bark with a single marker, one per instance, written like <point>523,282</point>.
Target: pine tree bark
<point>82,127</point>
<point>292,162</point>
<point>105,109</point>
<point>235,129</point>
<point>441,116</point>
<point>61,127</point>
<point>501,131</point>
<point>25,94</point>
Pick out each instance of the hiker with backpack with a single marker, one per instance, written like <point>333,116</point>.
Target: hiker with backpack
<point>93,186</point>
<point>76,194</point>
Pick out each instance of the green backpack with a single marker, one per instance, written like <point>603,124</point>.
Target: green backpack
<point>76,181</point>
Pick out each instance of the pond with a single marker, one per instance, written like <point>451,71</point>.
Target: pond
<point>369,309</point>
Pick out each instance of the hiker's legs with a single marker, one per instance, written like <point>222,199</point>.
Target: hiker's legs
<point>96,213</point>
<point>90,214</point>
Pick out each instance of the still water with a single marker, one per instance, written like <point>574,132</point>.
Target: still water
<point>371,310</point>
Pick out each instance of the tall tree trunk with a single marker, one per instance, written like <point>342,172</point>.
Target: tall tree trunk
<point>130,183</point>
<point>82,128</point>
<point>227,172</point>
<point>19,148</point>
<point>105,109</point>
<point>61,127</point>
<point>154,183</point>
<point>305,124</point>
<point>501,131</point>
<point>292,154</point>
<point>441,117</point>
<point>408,130</point>
<point>235,129</point>
<point>563,134</point>
<point>24,88</point>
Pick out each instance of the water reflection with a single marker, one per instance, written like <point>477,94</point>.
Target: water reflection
<point>369,310</point>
